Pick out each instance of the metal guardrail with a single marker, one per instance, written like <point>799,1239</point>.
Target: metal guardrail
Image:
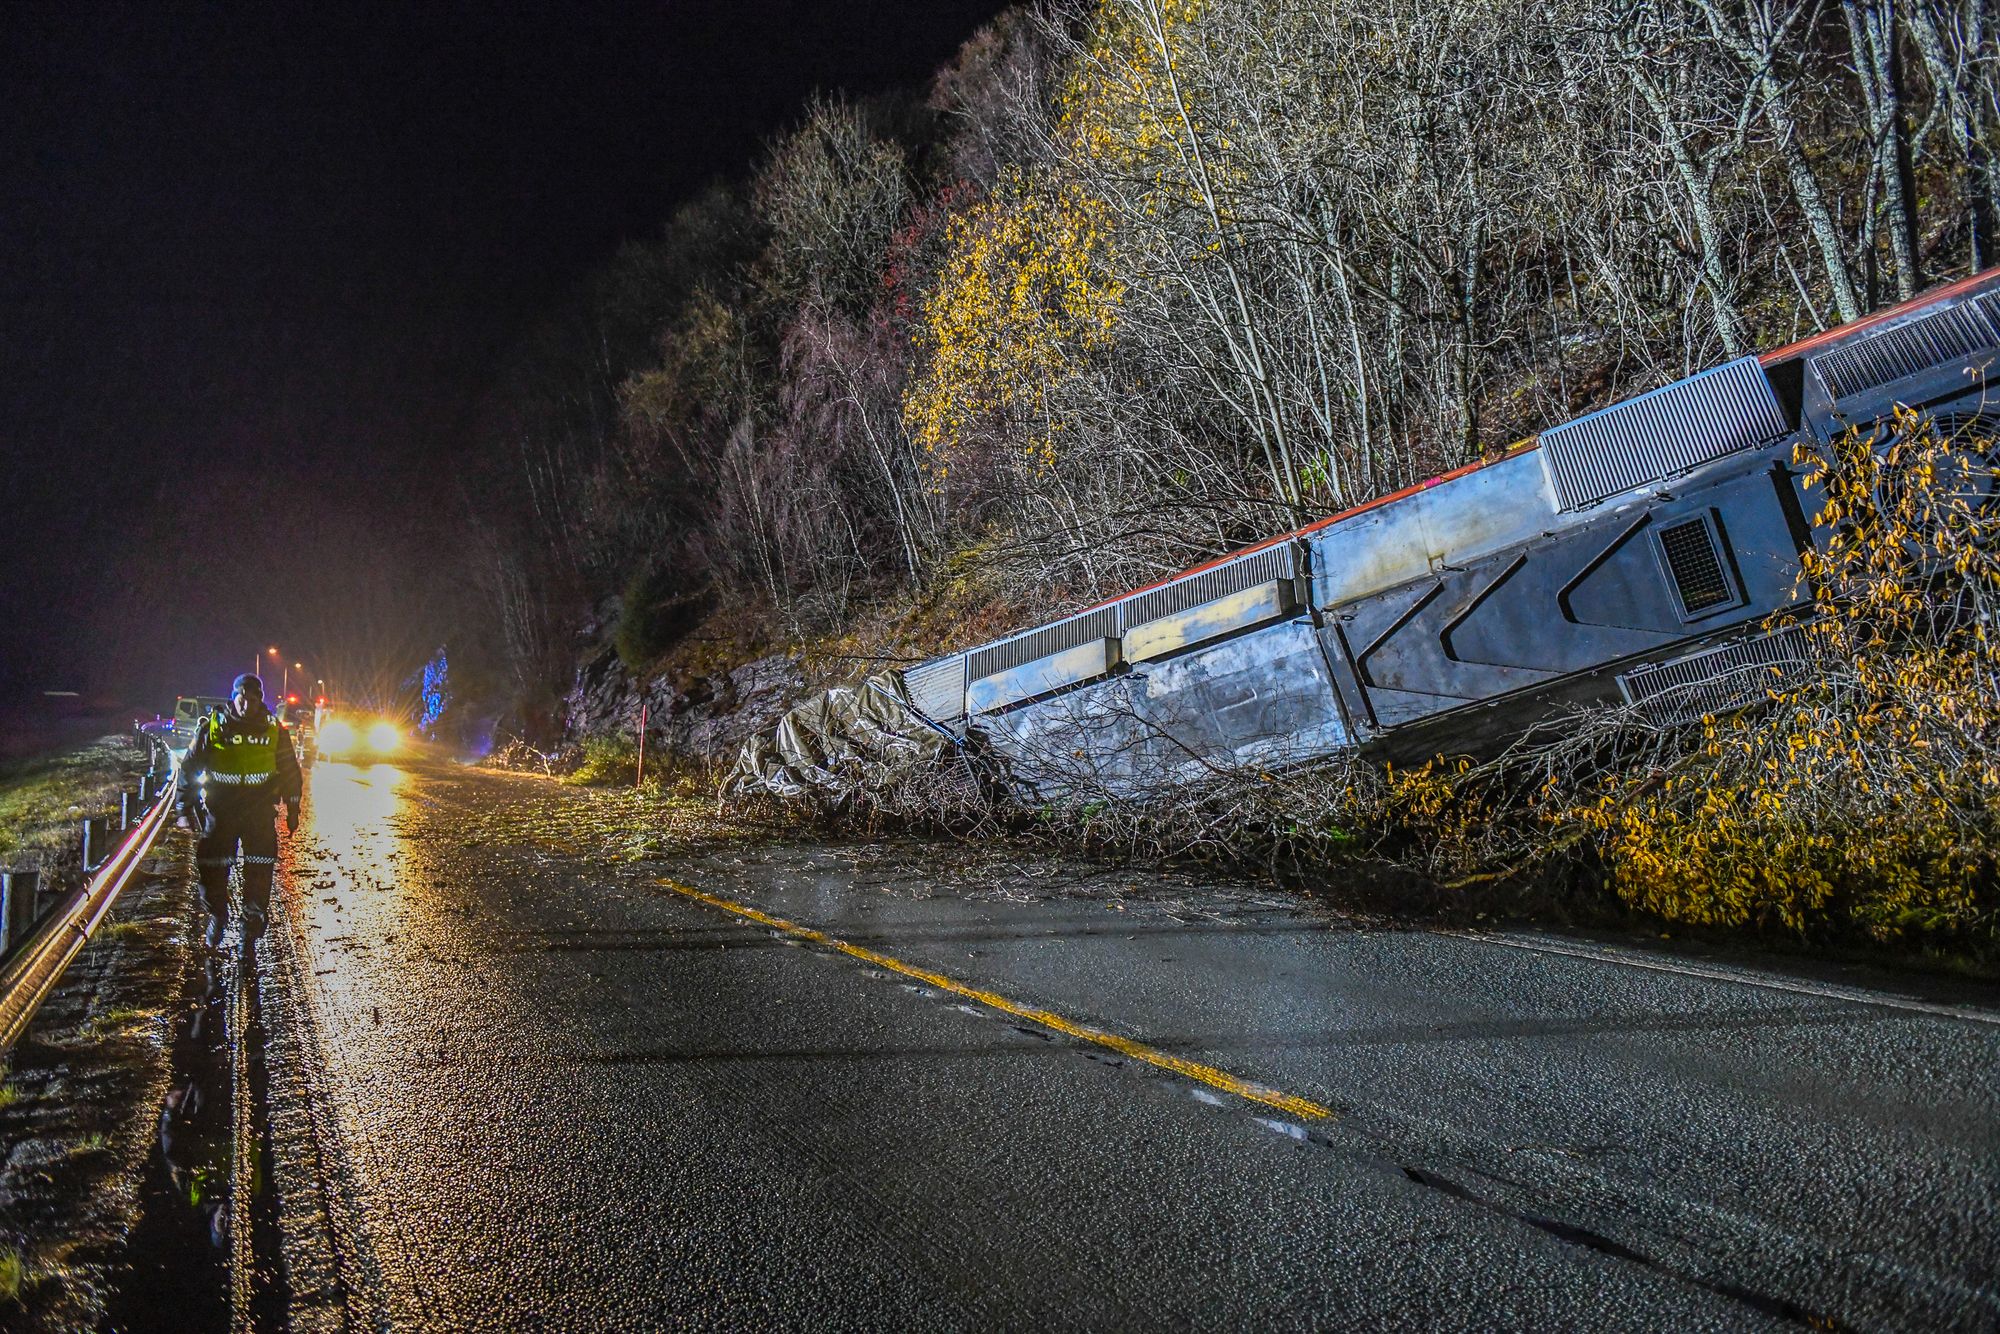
<point>33,971</point>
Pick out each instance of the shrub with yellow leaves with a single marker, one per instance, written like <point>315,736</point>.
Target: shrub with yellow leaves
<point>1021,304</point>
<point>1859,798</point>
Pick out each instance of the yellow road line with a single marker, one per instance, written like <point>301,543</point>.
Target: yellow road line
<point>1124,1046</point>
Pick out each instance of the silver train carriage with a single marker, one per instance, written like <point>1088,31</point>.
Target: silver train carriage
<point>1633,553</point>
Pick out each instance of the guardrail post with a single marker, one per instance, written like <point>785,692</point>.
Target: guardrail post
<point>38,957</point>
<point>96,841</point>
<point>125,809</point>
<point>18,891</point>
<point>145,789</point>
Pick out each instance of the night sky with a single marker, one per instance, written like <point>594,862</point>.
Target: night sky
<point>257,262</point>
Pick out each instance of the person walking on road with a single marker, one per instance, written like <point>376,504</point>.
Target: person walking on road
<point>239,768</point>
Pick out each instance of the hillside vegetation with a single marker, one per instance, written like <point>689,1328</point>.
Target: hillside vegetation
<point>1134,282</point>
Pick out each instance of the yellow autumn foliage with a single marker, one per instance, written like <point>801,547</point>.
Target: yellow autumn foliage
<point>1861,797</point>
<point>1023,301</point>
<point>1118,107</point>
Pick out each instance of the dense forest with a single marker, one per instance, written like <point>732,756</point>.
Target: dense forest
<point>1135,282</point>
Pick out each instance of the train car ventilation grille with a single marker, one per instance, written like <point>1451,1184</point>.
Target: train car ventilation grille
<point>937,688</point>
<point>1719,679</point>
<point>1880,358</point>
<point>1068,633</point>
<point>1188,591</point>
<point>1670,430</point>
<point>1694,565</point>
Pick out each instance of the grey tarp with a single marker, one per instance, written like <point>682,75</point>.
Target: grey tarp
<point>846,740</point>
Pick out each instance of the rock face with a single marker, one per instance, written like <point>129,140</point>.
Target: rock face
<point>709,721</point>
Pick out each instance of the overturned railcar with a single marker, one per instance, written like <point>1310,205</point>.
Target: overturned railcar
<point>1632,553</point>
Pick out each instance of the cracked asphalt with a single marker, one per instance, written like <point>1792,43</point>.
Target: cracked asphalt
<point>532,1073</point>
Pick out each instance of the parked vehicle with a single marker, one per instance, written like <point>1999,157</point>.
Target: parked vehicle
<point>167,737</point>
<point>358,739</point>
<point>299,720</point>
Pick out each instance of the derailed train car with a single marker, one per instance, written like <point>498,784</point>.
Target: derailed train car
<point>1633,553</point>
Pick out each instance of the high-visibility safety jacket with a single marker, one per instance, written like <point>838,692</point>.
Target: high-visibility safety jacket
<point>247,759</point>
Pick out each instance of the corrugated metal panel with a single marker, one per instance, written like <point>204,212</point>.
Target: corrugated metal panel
<point>1905,349</point>
<point>937,688</point>
<point>1259,567</point>
<point>1041,642</point>
<point>1656,435</point>
<point>1717,679</point>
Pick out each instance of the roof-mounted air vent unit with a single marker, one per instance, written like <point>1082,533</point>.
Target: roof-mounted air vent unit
<point>937,688</point>
<point>1902,350</point>
<point>1670,430</point>
<point>1278,561</point>
<point>1033,645</point>
<point>1719,679</point>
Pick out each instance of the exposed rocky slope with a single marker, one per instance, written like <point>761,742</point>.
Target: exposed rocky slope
<point>704,717</point>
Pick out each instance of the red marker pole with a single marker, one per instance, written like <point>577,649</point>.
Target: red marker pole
<point>642,745</point>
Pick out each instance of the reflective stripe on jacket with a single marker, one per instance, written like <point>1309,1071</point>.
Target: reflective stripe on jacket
<point>250,756</point>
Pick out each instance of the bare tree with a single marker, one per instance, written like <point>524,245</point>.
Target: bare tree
<point>1873,38</point>
<point>830,196</point>
<point>1765,37</point>
<point>1960,46</point>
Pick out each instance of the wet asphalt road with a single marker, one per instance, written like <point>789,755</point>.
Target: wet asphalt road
<point>523,1088</point>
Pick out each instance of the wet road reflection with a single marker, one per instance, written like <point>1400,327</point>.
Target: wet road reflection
<point>343,877</point>
<point>533,1088</point>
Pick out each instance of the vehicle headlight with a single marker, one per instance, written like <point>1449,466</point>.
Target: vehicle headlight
<point>384,737</point>
<point>336,736</point>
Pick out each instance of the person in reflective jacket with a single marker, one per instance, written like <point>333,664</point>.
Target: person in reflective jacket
<point>240,766</point>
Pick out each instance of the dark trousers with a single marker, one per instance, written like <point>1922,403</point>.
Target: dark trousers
<point>255,826</point>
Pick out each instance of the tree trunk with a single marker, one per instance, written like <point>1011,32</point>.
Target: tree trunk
<point>1872,35</point>
<point>1755,48</point>
<point>1701,202</point>
<point>1979,188</point>
<point>1811,199</point>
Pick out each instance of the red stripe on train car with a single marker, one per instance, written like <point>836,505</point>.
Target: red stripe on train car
<point>1520,447</point>
<point>1958,288</point>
